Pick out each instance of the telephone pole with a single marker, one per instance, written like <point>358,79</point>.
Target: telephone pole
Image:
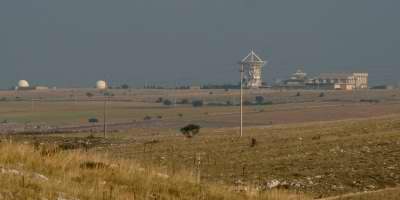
<point>105,117</point>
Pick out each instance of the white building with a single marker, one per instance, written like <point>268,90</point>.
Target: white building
<point>340,81</point>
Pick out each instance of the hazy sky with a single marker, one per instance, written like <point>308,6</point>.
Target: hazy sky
<point>76,42</point>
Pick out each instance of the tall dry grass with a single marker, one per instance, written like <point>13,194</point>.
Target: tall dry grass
<point>46,173</point>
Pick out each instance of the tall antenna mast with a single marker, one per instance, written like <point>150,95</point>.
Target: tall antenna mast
<point>241,99</point>
<point>253,64</point>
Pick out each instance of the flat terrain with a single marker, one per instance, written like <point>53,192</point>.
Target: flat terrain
<point>129,108</point>
<point>323,145</point>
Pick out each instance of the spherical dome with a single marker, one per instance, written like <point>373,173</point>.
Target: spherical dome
<point>101,85</point>
<point>23,84</point>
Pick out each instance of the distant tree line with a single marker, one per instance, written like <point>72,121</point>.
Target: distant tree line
<point>224,86</point>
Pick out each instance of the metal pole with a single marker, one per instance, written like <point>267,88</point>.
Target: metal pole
<point>105,117</point>
<point>241,100</point>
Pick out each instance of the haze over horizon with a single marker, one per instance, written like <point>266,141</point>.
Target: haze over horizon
<point>76,42</point>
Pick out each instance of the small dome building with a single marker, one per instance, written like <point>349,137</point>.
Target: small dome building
<point>101,85</point>
<point>23,84</point>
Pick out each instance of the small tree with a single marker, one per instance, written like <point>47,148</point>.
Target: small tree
<point>184,101</point>
<point>159,100</point>
<point>89,94</point>
<point>167,102</point>
<point>190,130</point>
<point>93,120</point>
<point>259,99</point>
<point>146,118</point>
<point>125,86</point>
<point>197,103</point>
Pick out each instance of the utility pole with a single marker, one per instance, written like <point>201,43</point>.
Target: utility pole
<point>241,99</point>
<point>105,116</point>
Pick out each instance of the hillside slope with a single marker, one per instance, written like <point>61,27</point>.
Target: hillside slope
<point>45,172</point>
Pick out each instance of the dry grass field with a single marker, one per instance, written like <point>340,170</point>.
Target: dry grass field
<point>45,173</point>
<point>326,146</point>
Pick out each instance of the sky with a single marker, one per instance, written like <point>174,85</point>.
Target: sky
<point>71,43</point>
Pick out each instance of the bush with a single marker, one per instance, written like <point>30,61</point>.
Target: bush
<point>159,100</point>
<point>184,101</point>
<point>253,142</point>
<point>197,103</point>
<point>259,99</point>
<point>147,118</point>
<point>190,130</point>
<point>321,94</point>
<point>298,94</point>
<point>108,94</point>
<point>167,102</point>
<point>89,94</point>
<point>370,100</point>
<point>247,103</point>
<point>124,86</point>
<point>93,120</point>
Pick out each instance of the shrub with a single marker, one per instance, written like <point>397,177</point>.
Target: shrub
<point>247,103</point>
<point>108,94</point>
<point>93,120</point>
<point>259,99</point>
<point>321,94</point>
<point>89,94</point>
<point>167,102</point>
<point>125,86</point>
<point>298,94</point>
<point>180,114</point>
<point>197,103</point>
<point>147,118</point>
<point>190,130</point>
<point>184,101</point>
<point>159,100</point>
<point>253,142</point>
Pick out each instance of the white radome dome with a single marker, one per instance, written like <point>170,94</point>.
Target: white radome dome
<point>23,84</point>
<point>101,85</point>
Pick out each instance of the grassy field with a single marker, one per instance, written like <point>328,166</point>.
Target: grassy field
<point>320,146</point>
<point>45,173</point>
<point>321,159</point>
<point>58,108</point>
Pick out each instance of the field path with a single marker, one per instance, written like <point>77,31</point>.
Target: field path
<point>357,194</point>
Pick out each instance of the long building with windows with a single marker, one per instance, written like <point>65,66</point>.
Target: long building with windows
<point>339,81</point>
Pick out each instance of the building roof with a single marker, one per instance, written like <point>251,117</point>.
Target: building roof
<point>252,58</point>
<point>335,75</point>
